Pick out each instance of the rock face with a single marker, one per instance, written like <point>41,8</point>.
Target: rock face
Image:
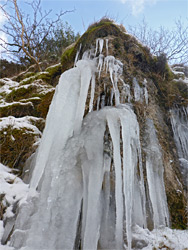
<point>115,145</point>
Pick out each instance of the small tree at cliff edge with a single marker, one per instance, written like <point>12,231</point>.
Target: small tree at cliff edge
<point>27,33</point>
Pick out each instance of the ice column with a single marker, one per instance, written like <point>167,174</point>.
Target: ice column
<point>93,172</point>
<point>115,68</point>
<point>69,102</point>
<point>155,169</point>
<point>114,128</point>
<point>179,121</point>
<point>138,91</point>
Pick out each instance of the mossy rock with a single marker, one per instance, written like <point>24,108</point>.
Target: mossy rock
<point>22,92</point>
<point>122,43</point>
<point>67,59</point>
<point>16,146</point>
<point>43,107</point>
<point>98,30</point>
<point>17,109</point>
<point>28,91</point>
<point>35,106</point>
<point>177,209</point>
<point>45,76</point>
<point>54,73</point>
<point>39,123</point>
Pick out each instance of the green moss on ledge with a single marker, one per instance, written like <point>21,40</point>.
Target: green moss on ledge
<point>17,109</point>
<point>45,76</point>
<point>54,73</point>
<point>43,107</point>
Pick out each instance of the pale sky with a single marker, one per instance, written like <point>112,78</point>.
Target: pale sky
<point>126,12</point>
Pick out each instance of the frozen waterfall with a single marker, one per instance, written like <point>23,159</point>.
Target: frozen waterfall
<point>89,172</point>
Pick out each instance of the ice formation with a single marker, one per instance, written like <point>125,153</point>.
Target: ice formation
<point>154,169</point>
<point>88,171</point>
<point>179,121</point>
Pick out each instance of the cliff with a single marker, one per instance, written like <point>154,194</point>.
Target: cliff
<point>115,70</point>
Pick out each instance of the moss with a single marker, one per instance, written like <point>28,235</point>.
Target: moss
<point>39,123</point>
<point>28,80</point>
<point>28,74</point>
<point>45,76</point>
<point>170,92</point>
<point>177,209</point>
<point>168,73</point>
<point>43,107</point>
<point>21,93</point>
<point>54,70</point>
<point>100,29</point>
<point>17,110</point>
<point>67,58</point>
<point>16,146</point>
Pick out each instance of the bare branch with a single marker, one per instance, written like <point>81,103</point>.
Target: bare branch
<point>27,33</point>
<point>173,43</point>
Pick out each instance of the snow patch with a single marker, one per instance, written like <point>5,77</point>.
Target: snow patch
<point>20,123</point>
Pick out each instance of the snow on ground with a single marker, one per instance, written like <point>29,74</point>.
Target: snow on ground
<point>15,190</point>
<point>12,190</point>
<point>163,238</point>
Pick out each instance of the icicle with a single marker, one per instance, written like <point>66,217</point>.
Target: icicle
<point>98,102</point>
<point>92,168</point>
<point>115,69</point>
<point>101,42</point>
<point>127,92</point>
<point>92,92</point>
<point>77,54</point>
<point>96,47</point>
<point>179,121</point>
<point>115,135</point>
<point>100,64</point>
<point>106,47</point>
<point>128,174</point>
<point>85,55</point>
<point>111,97</point>
<point>102,101</point>
<point>145,91</point>
<point>106,233</point>
<point>155,169</point>
<point>87,69</point>
<point>138,91</point>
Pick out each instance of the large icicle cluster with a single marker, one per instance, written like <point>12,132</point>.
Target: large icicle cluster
<point>89,171</point>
